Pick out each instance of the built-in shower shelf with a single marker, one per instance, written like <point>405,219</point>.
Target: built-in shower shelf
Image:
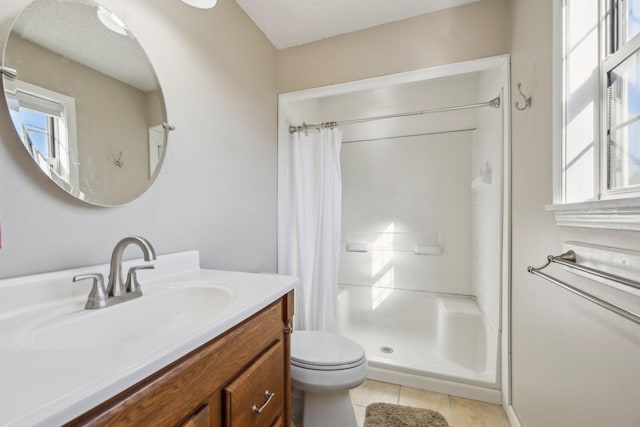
<point>417,250</point>
<point>481,181</point>
<point>395,242</point>
<point>483,178</point>
<point>427,250</point>
<point>358,247</point>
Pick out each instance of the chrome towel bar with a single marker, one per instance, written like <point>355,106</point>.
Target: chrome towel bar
<point>568,259</point>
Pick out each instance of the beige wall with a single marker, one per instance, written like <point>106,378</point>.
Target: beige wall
<point>111,117</point>
<point>216,191</point>
<point>472,31</point>
<point>155,115</point>
<point>574,364</point>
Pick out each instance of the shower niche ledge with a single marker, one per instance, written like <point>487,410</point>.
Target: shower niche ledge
<point>484,177</point>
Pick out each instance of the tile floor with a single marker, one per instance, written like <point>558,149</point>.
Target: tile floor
<point>459,412</point>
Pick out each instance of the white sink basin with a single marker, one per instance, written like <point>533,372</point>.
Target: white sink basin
<point>172,311</point>
<point>59,360</point>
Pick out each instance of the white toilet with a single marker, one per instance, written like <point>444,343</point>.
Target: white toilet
<point>324,367</point>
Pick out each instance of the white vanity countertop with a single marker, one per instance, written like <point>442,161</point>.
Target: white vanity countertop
<point>58,360</point>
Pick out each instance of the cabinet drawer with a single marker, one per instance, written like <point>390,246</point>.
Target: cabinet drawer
<point>256,398</point>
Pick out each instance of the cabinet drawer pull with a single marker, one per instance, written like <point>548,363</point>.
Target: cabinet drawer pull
<point>269,396</point>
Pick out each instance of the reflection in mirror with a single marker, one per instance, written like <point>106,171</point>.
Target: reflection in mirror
<point>86,102</point>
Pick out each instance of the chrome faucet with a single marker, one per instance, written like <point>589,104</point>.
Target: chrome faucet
<point>117,285</point>
<point>118,290</point>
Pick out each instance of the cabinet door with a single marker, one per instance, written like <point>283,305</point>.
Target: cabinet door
<point>256,398</point>
<point>199,419</point>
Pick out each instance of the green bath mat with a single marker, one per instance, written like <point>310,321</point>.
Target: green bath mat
<point>390,415</point>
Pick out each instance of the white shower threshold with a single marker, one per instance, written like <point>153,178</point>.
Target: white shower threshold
<point>439,385</point>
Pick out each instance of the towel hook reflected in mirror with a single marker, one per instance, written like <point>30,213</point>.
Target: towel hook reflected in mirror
<point>527,100</point>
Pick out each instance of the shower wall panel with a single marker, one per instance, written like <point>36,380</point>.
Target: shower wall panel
<point>486,197</point>
<point>399,193</point>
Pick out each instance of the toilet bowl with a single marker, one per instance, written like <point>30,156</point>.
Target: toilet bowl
<point>324,367</point>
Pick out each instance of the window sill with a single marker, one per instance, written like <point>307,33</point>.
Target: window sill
<point>618,214</point>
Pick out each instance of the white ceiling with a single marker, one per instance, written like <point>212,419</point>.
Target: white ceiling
<point>294,22</point>
<point>72,29</point>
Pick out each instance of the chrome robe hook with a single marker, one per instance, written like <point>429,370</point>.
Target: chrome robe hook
<point>527,100</point>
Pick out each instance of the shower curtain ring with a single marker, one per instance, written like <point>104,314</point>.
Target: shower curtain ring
<point>304,126</point>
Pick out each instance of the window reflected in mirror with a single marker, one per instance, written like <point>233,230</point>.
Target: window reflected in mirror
<point>46,123</point>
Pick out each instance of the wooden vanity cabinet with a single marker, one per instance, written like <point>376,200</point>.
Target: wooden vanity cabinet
<point>239,379</point>
<point>256,397</point>
<point>199,419</point>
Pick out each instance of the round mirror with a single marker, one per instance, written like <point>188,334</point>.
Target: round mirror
<point>85,100</point>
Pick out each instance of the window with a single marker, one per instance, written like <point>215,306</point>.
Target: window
<point>622,107</point>
<point>39,132</point>
<point>45,121</point>
<point>597,128</point>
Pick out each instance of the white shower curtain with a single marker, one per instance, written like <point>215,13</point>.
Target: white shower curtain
<point>316,211</point>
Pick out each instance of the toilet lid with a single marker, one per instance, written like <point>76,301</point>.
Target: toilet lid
<point>318,350</point>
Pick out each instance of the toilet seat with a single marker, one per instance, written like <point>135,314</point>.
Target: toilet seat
<point>325,351</point>
<point>324,361</point>
<point>327,367</point>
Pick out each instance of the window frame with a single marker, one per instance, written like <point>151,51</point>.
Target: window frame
<point>50,133</point>
<point>68,117</point>
<point>612,209</point>
<point>614,55</point>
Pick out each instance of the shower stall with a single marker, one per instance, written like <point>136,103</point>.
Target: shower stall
<point>424,225</point>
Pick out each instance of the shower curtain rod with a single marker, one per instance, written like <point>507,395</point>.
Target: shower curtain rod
<point>408,136</point>
<point>495,103</point>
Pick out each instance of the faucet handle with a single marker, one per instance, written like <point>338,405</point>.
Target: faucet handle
<point>132,284</point>
<point>97,296</point>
